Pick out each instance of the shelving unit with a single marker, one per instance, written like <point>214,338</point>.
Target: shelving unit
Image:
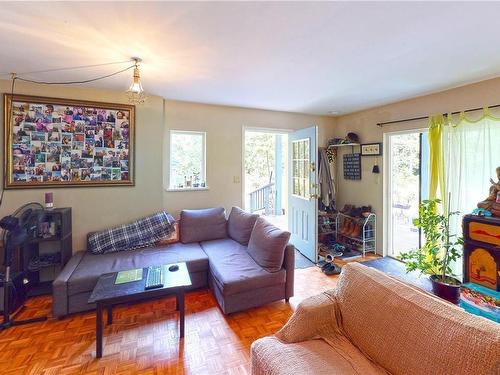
<point>57,243</point>
<point>327,232</point>
<point>327,224</point>
<point>367,239</point>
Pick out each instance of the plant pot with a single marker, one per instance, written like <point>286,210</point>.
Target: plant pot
<point>449,292</point>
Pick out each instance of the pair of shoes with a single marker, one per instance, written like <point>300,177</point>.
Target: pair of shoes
<point>332,269</point>
<point>346,227</point>
<point>325,266</point>
<point>356,232</point>
<point>351,228</point>
<point>347,208</point>
<point>337,248</point>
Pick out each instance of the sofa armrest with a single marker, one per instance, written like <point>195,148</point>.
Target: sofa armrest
<point>313,317</point>
<point>289,266</point>
<point>60,285</point>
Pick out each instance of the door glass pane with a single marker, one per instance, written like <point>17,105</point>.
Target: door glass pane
<point>300,171</point>
<point>405,191</point>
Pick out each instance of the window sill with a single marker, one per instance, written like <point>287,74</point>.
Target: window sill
<point>187,189</point>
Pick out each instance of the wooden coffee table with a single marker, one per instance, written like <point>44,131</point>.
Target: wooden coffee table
<point>106,294</point>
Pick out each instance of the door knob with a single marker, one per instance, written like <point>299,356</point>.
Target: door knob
<point>314,196</point>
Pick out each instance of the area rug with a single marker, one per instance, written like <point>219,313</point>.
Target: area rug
<point>396,269</point>
<point>301,261</point>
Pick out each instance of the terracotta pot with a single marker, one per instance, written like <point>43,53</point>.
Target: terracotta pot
<point>449,292</point>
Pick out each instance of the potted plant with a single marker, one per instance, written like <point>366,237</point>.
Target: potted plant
<point>440,249</point>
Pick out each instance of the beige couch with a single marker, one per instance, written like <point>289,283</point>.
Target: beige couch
<point>374,324</point>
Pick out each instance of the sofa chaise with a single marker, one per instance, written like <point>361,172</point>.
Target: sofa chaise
<point>374,324</point>
<point>246,262</point>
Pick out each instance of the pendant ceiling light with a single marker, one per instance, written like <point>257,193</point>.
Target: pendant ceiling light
<point>136,93</point>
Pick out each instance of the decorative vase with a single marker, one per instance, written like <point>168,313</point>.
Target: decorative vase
<point>449,292</point>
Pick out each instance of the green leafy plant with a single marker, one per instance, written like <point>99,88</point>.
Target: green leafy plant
<point>441,248</point>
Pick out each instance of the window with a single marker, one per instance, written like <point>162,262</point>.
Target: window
<point>300,168</point>
<point>187,160</point>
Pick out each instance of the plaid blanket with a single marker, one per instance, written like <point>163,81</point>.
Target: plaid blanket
<point>141,233</point>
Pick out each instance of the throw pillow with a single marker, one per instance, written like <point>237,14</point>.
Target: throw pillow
<point>240,225</point>
<point>203,225</point>
<point>267,245</point>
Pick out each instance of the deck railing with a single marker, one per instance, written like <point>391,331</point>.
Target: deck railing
<point>262,199</point>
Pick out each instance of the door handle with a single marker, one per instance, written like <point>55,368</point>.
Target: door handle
<point>313,167</point>
<point>313,196</point>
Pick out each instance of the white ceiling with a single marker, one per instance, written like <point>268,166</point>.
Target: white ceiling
<point>300,57</point>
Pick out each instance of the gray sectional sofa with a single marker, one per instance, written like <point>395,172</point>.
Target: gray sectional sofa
<point>246,262</point>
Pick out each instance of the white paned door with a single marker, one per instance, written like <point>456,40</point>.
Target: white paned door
<point>302,190</point>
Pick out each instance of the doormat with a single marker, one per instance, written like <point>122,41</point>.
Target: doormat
<point>301,261</point>
<point>395,268</point>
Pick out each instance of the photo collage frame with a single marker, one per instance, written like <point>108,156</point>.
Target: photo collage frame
<point>62,142</point>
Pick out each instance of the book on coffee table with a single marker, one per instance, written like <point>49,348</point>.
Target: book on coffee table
<point>128,276</point>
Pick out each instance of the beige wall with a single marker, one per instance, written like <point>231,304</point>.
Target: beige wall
<point>98,208</point>
<point>369,190</point>
<point>224,129</point>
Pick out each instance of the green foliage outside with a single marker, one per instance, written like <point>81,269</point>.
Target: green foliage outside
<point>259,159</point>
<point>405,162</point>
<point>187,158</point>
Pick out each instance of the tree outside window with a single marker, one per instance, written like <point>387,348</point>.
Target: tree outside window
<point>187,159</point>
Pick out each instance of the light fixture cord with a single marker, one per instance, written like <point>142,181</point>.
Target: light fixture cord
<point>76,82</point>
<point>16,77</point>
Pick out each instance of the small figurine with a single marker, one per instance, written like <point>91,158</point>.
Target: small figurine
<point>492,203</point>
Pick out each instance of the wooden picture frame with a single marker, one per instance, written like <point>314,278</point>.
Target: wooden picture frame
<point>371,149</point>
<point>52,142</point>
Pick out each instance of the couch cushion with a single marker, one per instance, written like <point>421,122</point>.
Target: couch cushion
<point>272,356</point>
<point>203,225</point>
<point>240,225</point>
<point>92,266</point>
<point>267,245</point>
<point>409,331</point>
<point>234,270</point>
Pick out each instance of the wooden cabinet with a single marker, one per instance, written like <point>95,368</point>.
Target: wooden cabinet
<point>482,251</point>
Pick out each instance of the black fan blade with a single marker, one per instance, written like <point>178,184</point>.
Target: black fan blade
<point>9,222</point>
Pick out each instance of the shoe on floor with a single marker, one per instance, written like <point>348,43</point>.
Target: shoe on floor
<point>333,269</point>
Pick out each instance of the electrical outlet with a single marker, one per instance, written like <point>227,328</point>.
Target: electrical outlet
<point>236,179</point>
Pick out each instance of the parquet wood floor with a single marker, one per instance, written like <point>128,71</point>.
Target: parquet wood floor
<point>143,338</point>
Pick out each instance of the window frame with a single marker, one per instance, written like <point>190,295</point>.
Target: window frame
<point>387,201</point>
<point>306,163</point>
<point>203,175</point>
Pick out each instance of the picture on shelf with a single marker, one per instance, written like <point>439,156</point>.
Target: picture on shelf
<point>62,142</point>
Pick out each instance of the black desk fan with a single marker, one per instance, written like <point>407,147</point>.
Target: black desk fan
<point>18,228</point>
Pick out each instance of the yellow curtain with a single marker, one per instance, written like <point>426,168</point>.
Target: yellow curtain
<point>436,159</point>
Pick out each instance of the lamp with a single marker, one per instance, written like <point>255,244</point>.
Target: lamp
<point>136,93</point>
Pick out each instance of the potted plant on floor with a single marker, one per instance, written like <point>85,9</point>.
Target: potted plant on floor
<point>440,249</point>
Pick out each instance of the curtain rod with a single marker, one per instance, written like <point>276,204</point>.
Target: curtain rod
<point>381,124</point>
